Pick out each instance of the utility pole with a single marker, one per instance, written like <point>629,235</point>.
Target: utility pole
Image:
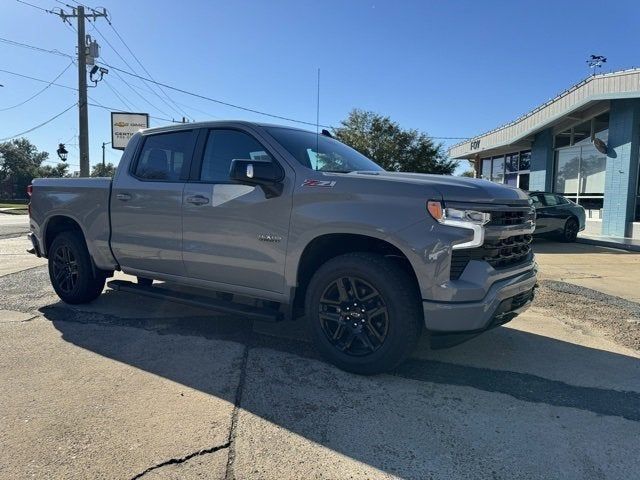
<point>83,112</point>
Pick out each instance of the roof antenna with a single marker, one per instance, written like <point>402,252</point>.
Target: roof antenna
<point>318,122</point>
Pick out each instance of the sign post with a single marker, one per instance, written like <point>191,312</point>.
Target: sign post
<point>124,125</point>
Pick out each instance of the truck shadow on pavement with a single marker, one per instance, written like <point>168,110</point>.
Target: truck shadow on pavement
<point>293,390</point>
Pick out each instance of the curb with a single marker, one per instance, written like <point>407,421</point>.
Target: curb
<point>609,243</point>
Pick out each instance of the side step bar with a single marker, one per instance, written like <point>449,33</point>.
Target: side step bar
<point>202,301</point>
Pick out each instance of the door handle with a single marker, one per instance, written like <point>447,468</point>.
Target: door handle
<point>197,200</point>
<point>123,196</point>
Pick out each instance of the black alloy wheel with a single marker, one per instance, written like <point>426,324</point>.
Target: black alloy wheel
<point>364,312</point>
<point>73,276</point>
<point>65,269</point>
<point>571,228</point>
<point>354,316</point>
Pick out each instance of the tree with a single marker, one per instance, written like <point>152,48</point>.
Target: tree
<point>100,170</point>
<point>468,173</point>
<point>392,147</point>
<point>20,163</point>
<point>58,171</point>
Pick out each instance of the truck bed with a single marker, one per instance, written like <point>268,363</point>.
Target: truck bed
<point>85,200</point>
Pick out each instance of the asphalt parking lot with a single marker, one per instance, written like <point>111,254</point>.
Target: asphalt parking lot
<point>130,387</point>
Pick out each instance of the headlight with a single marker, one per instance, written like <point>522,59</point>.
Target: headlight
<point>468,219</point>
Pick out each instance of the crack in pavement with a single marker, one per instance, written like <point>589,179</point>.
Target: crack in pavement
<point>174,461</point>
<point>232,431</point>
<point>234,415</point>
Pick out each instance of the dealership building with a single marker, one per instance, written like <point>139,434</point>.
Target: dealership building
<point>583,144</point>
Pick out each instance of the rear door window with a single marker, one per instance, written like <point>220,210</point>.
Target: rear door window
<point>163,156</point>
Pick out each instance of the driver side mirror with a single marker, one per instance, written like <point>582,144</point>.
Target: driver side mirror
<point>266,174</point>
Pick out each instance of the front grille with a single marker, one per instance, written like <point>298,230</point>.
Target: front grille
<point>516,217</point>
<point>503,253</point>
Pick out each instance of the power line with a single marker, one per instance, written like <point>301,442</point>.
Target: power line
<point>37,79</point>
<point>38,92</point>
<point>159,84</point>
<point>114,109</point>
<point>34,6</point>
<point>39,125</point>
<point>145,99</point>
<point>131,68</point>
<point>121,97</point>
<point>33,47</point>
<point>142,66</point>
<point>203,97</point>
<point>95,104</point>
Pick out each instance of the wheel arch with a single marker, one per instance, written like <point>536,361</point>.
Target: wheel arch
<point>55,226</point>
<point>324,247</point>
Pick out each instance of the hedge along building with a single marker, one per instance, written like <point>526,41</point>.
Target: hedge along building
<point>554,148</point>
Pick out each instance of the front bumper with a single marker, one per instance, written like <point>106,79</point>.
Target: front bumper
<point>504,300</point>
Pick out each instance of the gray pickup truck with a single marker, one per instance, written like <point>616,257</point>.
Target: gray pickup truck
<point>278,223</point>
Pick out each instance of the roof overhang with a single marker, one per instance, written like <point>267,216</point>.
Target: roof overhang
<point>582,101</point>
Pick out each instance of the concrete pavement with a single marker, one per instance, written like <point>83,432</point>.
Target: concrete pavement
<point>129,387</point>
<point>611,271</point>
<point>13,225</point>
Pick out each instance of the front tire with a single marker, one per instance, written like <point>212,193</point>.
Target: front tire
<point>570,232</point>
<point>71,272</point>
<point>363,312</point>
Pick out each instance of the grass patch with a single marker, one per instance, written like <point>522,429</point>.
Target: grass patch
<point>13,203</point>
<point>15,208</point>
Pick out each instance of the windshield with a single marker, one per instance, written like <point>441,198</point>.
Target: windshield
<point>319,152</point>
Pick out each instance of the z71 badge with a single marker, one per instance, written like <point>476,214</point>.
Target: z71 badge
<point>318,183</point>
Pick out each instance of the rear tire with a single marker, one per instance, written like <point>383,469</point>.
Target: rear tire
<point>363,312</point>
<point>570,232</point>
<point>71,271</point>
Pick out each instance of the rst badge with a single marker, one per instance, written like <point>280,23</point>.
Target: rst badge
<point>318,183</point>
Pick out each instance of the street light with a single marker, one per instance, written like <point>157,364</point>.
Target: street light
<point>103,145</point>
<point>62,152</point>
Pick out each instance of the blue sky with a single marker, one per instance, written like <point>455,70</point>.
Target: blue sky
<point>453,69</point>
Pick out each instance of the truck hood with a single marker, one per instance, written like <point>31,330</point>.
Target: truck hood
<point>458,189</point>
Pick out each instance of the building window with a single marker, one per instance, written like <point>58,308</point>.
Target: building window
<point>511,162</point>
<point>497,170</point>
<point>579,167</point>
<point>580,176</point>
<point>486,168</point>
<point>525,161</point>
<point>512,169</point>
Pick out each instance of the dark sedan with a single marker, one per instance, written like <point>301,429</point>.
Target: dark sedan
<point>557,216</point>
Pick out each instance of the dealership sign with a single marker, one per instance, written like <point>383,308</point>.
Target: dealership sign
<point>125,125</point>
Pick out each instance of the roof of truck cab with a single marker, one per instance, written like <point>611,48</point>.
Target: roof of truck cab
<point>214,123</point>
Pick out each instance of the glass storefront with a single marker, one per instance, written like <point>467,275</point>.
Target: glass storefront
<point>511,169</point>
<point>579,172</point>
